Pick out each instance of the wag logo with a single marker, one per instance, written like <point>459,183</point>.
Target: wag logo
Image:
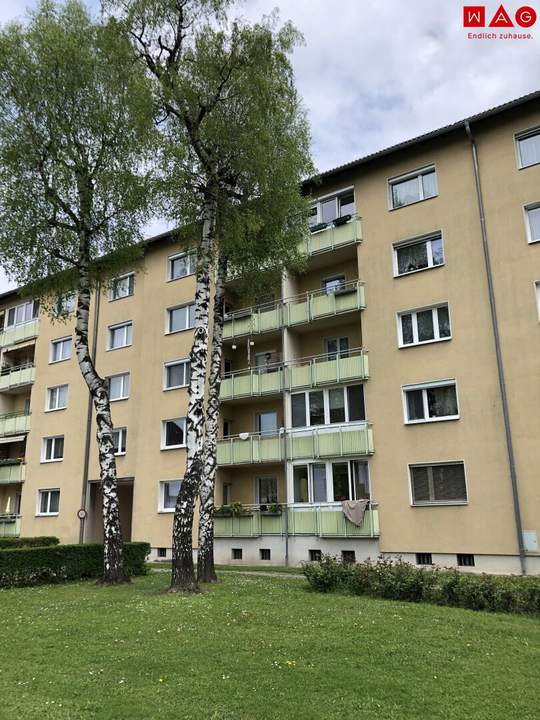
<point>512,25</point>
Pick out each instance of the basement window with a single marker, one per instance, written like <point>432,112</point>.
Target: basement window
<point>315,555</point>
<point>265,553</point>
<point>236,553</point>
<point>348,556</point>
<point>465,560</point>
<point>162,552</point>
<point>424,559</point>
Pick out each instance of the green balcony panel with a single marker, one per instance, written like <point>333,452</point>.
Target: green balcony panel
<point>270,319</point>
<point>332,237</point>
<point>10,526</point>
<point>304,521</point>
<point>297,312</point>
<point>15,473</point>
<point>251,384</point>
<point>333,523</point>
<point>17,376</point>
<point>272,524</point>
<point>14,424</point>
<point>300,376</point>
<point>328,443</point>
<point>18,334</point>
<point>255,449</point>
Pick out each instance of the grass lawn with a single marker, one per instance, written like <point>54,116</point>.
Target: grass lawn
<point>258,648</point>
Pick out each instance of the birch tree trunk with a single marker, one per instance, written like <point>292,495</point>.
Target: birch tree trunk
<point>183,576</point>
<point>113,555</point>
<point>206,571</point>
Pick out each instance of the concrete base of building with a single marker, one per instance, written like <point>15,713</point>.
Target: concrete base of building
<point>492,564</point>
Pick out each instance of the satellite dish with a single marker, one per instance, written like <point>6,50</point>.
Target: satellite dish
<point>243,436</point>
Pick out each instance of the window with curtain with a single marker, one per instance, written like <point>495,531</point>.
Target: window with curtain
<point>418,255</point>
<point>267,490</point>
<point>413,187</point>
<point>529,148</point>
<point>533,222</point>
<point>438,483</point>
<point>423,326</point>
<point>431,402</point>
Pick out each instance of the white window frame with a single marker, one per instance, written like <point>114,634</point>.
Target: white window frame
<point>164,434</point>
<point>168,313</point>
<point>66,304</point>
<point>434,463</point>
<point>523,135</point>
<point>424,387</point>
<point>171,363</point>
<point>329,478</point>
<point>425,170</point>
<point>416,341</point>
<point>122,440</point>
<point>177,256</point>
<point>44,458</point>
<point>333,196</point>
<point>428,238</point>
<point>57,341</point>
<point>16,307</point>
<point>326,403</point>
<point>161,503</point>
<point>526,208</point>
<point>125,381</point>
<point>131,286</point>
<point>48,407</point>
<point>117,326</point>
<point>537,297</point>
<point>42,491</point>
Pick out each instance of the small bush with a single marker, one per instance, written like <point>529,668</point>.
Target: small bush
<point>10,543</point>
<point>61,563</point>
<point>398,580</point>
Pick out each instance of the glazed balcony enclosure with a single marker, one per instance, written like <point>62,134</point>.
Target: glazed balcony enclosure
<point>296,310</point>
<point>326,237</point>
<point>10,525</point>
<point>19,333</point>
<point>313,371</point>
<point>14,423</point>
<point>12,378</point>
<point>322,520</point>
<point>326,441</point>
<point>12,471</point>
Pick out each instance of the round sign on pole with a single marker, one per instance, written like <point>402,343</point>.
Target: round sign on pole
<point>82,514</point>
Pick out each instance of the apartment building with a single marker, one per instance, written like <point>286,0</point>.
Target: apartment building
<point>399,371</point>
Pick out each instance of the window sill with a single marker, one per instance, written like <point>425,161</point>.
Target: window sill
<point>180,277</point>
<point>55,362</point>
<point>175,332</point>
<point>119,454</point>
<point>414,272</point>
<point>47,514</point>
<point>524,167</point>
<point>450,503</point>
<point>424,342</point>
<point>166,511</point>
<point>120,347</point>
<point>175,387</point>
<point>414,202</point>
<point>174,447</point>
<point>123,297</point>
<point>119,399</point>
<point>432,420</point>
<point>55,460</point>
<point>49,410</point>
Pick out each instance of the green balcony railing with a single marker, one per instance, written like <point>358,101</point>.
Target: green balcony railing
<point>300,519</point>
<point>14,423</point>
<point>10,525</point>
<point>16,376</point>
<point>321,442</point>
<point>332,237</point>
<point>12,471</point>
<point>18,334</point>
<point>296,310</point>
<point>314,371</point>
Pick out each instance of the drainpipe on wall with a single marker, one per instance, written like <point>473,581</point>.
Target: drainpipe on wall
<point>498,353</point>
<point>86,458</point>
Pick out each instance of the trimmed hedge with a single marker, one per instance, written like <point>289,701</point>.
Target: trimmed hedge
<point>398,580</point>
<point>9,543</point>
<point>61,563</point>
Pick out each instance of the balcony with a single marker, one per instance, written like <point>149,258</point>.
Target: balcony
<point>307,443</point>
<point>12,378</point>
<point>313,371</point>
<point>296,310</point>
<point>14,424</point>
<point>319,520</point>
<point>19,333</point>
<point>10,525</point>
<point>12,471</point>
<point>335,235</point>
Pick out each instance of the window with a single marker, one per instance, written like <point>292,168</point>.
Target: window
<point>424,326</point>
<point>532,216</point>
<point>66,304</point>
<point>348,556</point>
<point>336,346</point>
<point>120,335</point>
<point>53,449</point>
<point>438,484</point>
<point>57,397</point>
<point>48,502</point>
<point>424,559</point>
<point>330,209</point>
<point>181,318</point>
<point>120,440</point>
<point>465,560</point>
<point>169,490</point>
<point>60,349</point>
<point>431,402</point>
<point>413,187</point>
<point>267,490</point>
<point>265,554</point>
<point>227,493</point>
<point>173,433</point>
<point>325,407</point>
<point>177,374</point>
<point>21,314</point>
<point>227,428</point>
<point>537,291</point>
<point>419,254</point>
<point>182,265</point>
<point>119,387</point>
<point>122,287</point>
<point>332,481</point>
<point>267,422</point>
<point>333,284</point>
<point>236,553</point>
<point>528,146</point>
<point>162,552</point>
<point>315,555</point>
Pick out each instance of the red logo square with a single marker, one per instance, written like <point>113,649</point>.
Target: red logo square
<point>474,16</point>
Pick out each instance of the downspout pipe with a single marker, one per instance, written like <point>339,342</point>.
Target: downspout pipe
<point>498,353</point>
<point>86,457</point>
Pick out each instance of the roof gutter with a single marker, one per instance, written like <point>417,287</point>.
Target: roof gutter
<point>498,352</point>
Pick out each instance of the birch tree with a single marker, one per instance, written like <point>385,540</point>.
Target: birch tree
<point>76,128</point>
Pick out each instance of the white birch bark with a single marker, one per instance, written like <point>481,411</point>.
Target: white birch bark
<point>205,560</point>
<point>183,577</point>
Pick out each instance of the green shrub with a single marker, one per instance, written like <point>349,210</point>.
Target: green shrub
<point>398,580</point>
<point>61,563</point>
<point>9,543</point>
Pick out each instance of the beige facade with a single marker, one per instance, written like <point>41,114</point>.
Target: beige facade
<point>373,375</point>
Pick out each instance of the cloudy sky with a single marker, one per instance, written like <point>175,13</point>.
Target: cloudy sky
<point>375,72</point>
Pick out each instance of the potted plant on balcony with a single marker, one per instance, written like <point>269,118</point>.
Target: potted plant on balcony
<point>239,510</point>
<point>272,509</point>
<point>224,511</point>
